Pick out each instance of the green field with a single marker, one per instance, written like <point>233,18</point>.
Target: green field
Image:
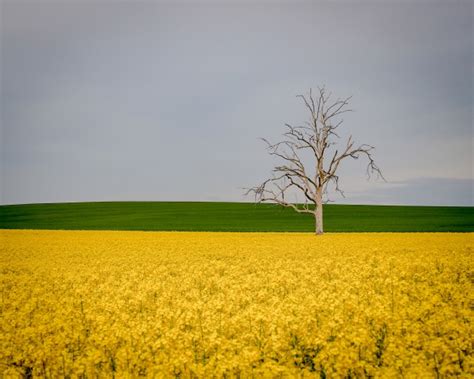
<point>245,217</point>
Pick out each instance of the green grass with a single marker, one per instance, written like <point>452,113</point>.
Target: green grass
<point>242,217</point>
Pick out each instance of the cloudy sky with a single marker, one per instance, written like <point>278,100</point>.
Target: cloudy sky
<point>147,100</point>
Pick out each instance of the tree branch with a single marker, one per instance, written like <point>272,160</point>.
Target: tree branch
<point>316,135</point>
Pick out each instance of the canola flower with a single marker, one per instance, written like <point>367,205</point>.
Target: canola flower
<point>163,304</point>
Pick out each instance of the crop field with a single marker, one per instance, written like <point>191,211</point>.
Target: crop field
<point>184,304</point>
<point>233,217</point>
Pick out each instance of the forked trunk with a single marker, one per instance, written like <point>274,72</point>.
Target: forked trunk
<point>319,213</point>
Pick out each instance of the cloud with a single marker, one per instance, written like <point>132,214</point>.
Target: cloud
<point>419,191</point>
<point>155,101</point>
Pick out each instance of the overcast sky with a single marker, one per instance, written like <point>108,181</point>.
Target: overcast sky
<point>146,100</point>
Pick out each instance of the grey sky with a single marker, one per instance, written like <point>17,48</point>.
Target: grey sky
<point>146,100</point>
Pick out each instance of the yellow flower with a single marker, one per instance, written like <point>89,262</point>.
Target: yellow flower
<point>170,304</point>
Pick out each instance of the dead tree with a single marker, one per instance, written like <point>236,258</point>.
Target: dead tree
<point>317,136</point>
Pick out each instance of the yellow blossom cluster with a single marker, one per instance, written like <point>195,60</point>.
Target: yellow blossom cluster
<point>178,304</point>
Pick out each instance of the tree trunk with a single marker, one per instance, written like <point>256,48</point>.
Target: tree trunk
<point>319,212</point>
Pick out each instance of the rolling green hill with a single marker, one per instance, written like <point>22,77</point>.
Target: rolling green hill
<point>244,217</point>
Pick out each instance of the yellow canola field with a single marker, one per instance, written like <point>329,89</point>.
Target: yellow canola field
<point>164,304</point>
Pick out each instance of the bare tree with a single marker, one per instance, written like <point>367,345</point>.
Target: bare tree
<point>315,137</point>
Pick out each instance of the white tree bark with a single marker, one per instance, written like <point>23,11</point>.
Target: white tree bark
<point>319,213</point>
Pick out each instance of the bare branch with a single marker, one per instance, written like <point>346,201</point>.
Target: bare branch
<point>262,194</point>
<point>315,136</point>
